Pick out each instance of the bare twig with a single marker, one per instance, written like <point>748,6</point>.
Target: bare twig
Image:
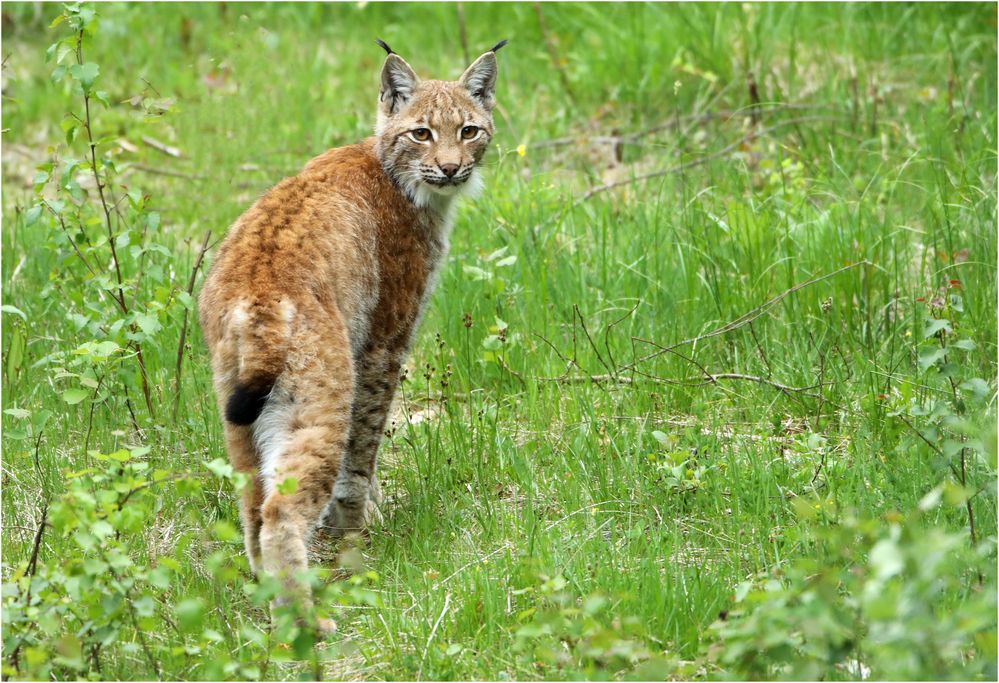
<point>929,443</point>
<point>580,379</point>
<point>681,167</point>
<point>714,377</point>
<point>607,330</point>
<point>742,320</point>
<point>582,323</point>
<point>759,347</point>
<point>183,327</point>
<point>30,572</point>
<point>37,544</point>
<point>502,364</point>
<point>167,172</point>
<point>162,147</point>
<point>675,123</point>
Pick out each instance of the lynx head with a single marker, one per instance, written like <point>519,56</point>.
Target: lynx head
<point>431,135</point>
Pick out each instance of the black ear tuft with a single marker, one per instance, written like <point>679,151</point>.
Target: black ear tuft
<point>498,45</point>
<point>383,45</point>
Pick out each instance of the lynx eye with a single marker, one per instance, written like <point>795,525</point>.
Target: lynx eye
<point>420,134</point>
<point>469,132</point>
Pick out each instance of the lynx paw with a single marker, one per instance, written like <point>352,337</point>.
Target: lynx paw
<point>350,519</point>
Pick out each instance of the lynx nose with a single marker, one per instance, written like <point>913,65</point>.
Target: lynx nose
<point>449,169</point>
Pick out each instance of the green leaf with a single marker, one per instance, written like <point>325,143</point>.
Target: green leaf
<point>58,73</point>
<point>964,345</point>
<point>225,531</point>
<point>931,499</point>
<point>978,387</point>
<point>75,395</point>
<point>288,486</point>
<point>148,323</point>
<point>476,273</point>
<point>105,348</point>
<point>186,300</point>
<point>86,74</point>
<point>70,652</point>
<point>929,358</point>
<point>101,529</point>
<point>19,413</point>
<point>492,342</point>
<point>32,215</point>
<point>935,325</point>
<point>220,468</point>
<point>64,49</point>
<point>190,614</point>
<point>886,559</point>
<point>496,254</point>
<point>7,308</point>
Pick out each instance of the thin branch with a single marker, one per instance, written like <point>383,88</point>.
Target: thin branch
<point>183,328</point>
<point>607,330</point>
<point>742,320</point>
<point>167,172</point>
<point>502,364</point>
<point>675,123</point>
<point>88,126</point>
<point>582,322</point>
<point>65,230</point>
<point>679,168</point>
<point>162,147</point>
<point>31,568</point>
<point>592,379</point>
<point>936,449</point>
<point>714,377</point>
<point>36,546</point>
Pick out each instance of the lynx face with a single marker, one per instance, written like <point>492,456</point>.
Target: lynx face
<point>433,134</point>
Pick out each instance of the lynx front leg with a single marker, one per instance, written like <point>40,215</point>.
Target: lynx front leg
<point>357,494</point>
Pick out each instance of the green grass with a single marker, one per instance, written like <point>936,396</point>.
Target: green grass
<point>512,476</point>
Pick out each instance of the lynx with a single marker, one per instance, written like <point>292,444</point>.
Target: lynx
<point>314,297</point>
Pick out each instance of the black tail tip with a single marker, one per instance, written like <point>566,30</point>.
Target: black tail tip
<point>247,402</point>
<point>500,44</point>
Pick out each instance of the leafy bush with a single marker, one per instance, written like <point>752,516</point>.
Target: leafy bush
<point>883,599</point>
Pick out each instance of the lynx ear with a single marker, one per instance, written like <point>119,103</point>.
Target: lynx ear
<point>398,83</point>
<point>480,78</point>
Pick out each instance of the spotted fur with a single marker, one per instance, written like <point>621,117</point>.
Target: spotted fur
<point>314,298</point>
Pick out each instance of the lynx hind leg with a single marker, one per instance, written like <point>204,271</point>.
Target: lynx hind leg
<point>357,493</point>
<point>243,456</point>
<point>303,432</point>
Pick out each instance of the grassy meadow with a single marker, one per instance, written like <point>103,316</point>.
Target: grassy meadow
<point>707,388</point>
